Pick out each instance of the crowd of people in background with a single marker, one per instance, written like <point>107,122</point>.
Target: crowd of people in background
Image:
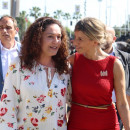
<point>124,38</point>
<point>48,82</point>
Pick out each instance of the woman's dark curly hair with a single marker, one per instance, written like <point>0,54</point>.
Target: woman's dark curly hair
<point>32,45</point>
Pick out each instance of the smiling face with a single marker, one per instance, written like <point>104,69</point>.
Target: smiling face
<point>82,43</point>
<point>7,30</point>
<point>51,40</point>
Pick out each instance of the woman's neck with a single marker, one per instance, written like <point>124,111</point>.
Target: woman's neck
<point>95,54</point>
<point>47,61</point>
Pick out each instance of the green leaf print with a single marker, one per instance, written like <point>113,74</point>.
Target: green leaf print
<point>52,113</point>
<point>14,71</point>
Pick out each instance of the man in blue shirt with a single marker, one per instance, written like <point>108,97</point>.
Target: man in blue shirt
<point>9,47</point>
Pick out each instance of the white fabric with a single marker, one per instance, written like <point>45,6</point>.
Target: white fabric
<point>7,55</point>
<point>114,45</point>
<point>30,104</point>
<point>113,96</point>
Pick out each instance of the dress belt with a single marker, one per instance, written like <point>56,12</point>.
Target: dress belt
<point>95,107</point>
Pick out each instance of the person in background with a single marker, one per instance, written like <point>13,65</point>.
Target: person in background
<point>94,76</point>
<point>9,47</point>
<point>35,89</point>
<point>124,57</point>
<point>123,46</point>
<point>17,38</point>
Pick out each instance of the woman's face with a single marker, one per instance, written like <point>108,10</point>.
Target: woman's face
<point>51,40</point>
<point>82,43</point>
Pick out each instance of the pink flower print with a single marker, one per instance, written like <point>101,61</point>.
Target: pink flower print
<point>41,98</point>
<point>3,111</point>
<point>24,119</point>
<point>63,91</point>
<point>21,127</point>
<point>3,96</point>
<point>26,77</point>
<point>60,123</point>
<point>60,103</point>
<point>17,91</point>
<point>34,121</point>
<point>10,124</point>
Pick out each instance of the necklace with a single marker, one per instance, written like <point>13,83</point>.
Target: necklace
<point>50,75</point>
<point>50,71</point>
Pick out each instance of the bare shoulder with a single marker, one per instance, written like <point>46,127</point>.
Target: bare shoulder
<point>71,59</point>
<point>117,64</point>
<point>118,68</point>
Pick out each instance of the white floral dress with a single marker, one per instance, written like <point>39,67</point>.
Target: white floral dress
<point>28,104</point>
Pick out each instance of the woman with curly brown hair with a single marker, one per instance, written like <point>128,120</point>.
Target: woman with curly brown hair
<point>34,95</point>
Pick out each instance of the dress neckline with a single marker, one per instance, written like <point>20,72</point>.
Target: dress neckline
<point>96,60</point>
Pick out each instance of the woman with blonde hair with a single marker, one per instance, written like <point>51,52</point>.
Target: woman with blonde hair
<point>94,75</point>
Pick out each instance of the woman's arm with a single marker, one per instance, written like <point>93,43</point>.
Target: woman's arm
<point>128,89</point>
<point>10,100</point>
<point>128,99</point>
<point>121,101</point>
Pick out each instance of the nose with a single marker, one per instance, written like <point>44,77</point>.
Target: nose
<point>4,29</point>
<point>56,39</point>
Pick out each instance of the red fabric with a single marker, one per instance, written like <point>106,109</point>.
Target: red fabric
<point>92,84</point>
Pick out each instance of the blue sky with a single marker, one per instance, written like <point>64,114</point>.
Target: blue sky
<point>116,10</point>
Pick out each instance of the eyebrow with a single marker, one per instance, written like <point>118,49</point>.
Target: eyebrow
<point>6,25</point>
<point>54,33</point>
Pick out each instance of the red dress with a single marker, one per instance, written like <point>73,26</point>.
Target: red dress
<point>92,84</point>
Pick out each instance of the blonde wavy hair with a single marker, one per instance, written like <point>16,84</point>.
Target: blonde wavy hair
<point>93,28</point>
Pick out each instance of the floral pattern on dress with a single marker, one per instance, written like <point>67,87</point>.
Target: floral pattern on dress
<point>28,104</point>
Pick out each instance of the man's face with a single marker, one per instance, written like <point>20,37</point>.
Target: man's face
<point>109,42</point>
<point>7,30</point>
